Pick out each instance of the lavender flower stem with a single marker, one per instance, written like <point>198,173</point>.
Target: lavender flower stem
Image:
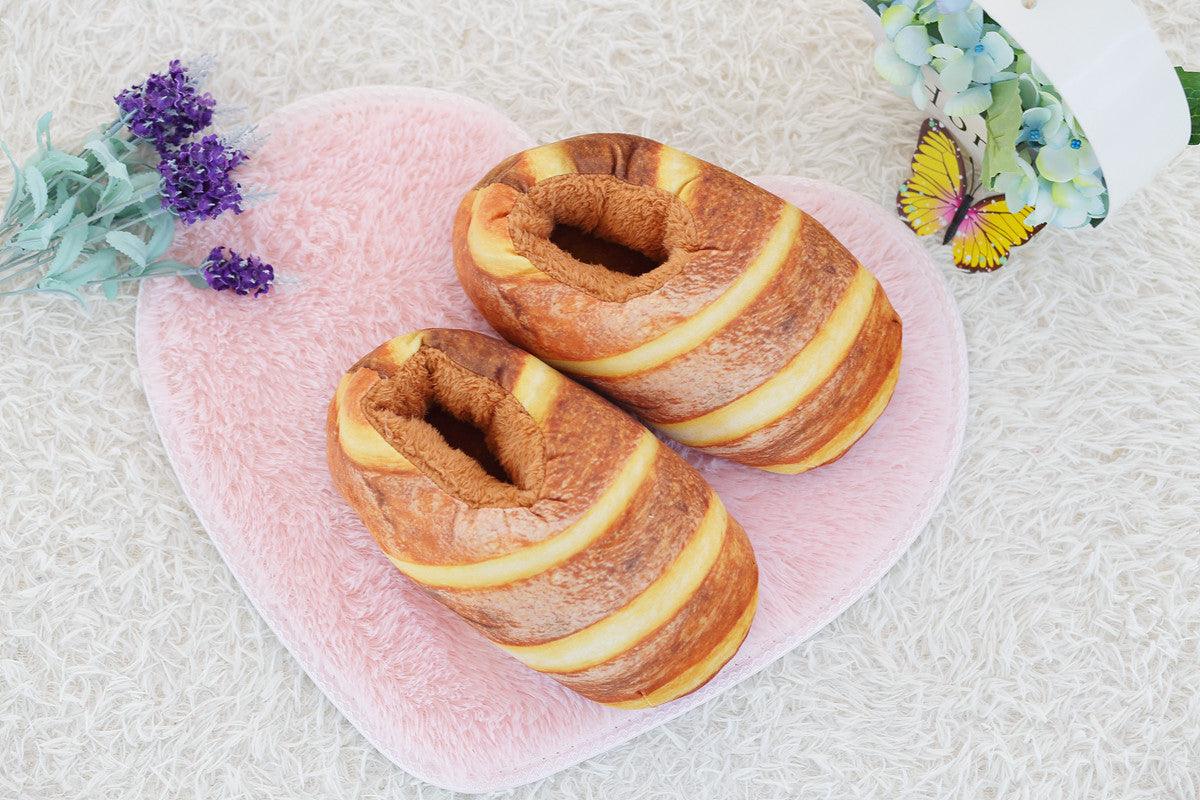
<point>118,279</point>
<point>22,271</point>
<point>58,180</point>
<point>41,258</point>
<point>19,266</point>
<point>24,257</point>
<point>118,124</point>
<point>128,278</point>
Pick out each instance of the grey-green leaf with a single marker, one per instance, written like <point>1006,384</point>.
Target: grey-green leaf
<point>55,285</point>
<point>37,188</point>
<point>59,219</point>
<point>128,244</point>
<point>196,280</point>
<point>100,265</point>
<point>167,266</point>
<point>115,197</point>
<point>39,236</point>
<point>163,225</point>
<point>35,238</point>
<point>43,130</point>
<point>70,246</point>
<point>141,181</point>
<point>56,162</point>
<point>18,188</point>
<point>103,152</point>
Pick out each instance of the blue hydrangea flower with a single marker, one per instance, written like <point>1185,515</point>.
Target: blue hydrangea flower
<point>969,59</point>
<point>1044,124</point>
<point>1036,92</point>
<point>242,274</point>
<point>953,6</point>
<point>924,11</point>
<point>1068,195</point>
<point>167,109</point>
<point>1067,158</point>
<point>1066,205</point>
<point>197,182</point>
<point>1020,188</point>
<point>899,60</point>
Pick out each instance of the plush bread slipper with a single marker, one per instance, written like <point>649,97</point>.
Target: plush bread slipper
<point>551,521</point>
<point>723,316</point>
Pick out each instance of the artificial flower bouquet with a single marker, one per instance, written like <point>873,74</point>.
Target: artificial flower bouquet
<point>1037,151</point>
<point>106,213</point>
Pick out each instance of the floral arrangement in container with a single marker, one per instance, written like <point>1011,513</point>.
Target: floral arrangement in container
<point>1045,119</point>
<point>106,212</point>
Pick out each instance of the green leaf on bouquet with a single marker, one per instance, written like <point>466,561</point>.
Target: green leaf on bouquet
<point>146,187</point>
<point>141,181</point>
<point>1003,127</point>
<point>56,162</point>
<point>122,202</point>
<point>89,198</point>
<point>34,239</point>
<point>1023,64</point>
<point>128,244</point>
<point>43,130</point>
<point>59,286</point>
<point>37,188</point>
<point>38,237</point>
<point>18,187</point>
<point>59,219</point>
<point>151,207</point>
<point>61,194</point>
<point>163,225</point>
<point>70,246</point>
<point>99,266</point>
<point>167,266</point>
<point>115,197</point>
<point>102,149</point>
<point>1191,90</point>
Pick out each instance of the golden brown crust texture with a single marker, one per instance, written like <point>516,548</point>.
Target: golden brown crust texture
<point>551,521</point>
<point>724,316</point>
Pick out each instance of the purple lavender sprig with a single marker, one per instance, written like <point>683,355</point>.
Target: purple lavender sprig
<point>106,213</point>
<point>167,109</point>
<point>243,274</point>
<point>196,180</point>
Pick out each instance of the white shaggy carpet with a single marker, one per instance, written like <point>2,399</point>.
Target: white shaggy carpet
<point>1042,639</point>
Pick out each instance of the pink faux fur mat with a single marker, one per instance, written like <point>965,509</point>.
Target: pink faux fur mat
<point>366,184</point>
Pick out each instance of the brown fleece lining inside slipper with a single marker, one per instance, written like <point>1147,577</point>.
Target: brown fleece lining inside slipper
<point>463,431</point>
<point>607,237</point>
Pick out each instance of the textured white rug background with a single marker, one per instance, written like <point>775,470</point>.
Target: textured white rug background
<point>1041,640</point>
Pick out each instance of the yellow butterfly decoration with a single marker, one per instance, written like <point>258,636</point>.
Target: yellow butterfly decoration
<point>939,197</point>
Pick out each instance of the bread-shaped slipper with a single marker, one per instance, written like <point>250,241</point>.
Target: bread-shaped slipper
<point>550,520</point>
<point>722,315</point>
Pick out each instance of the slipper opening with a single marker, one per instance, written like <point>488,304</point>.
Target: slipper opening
<point>607,237</point>
<point>462,430</point>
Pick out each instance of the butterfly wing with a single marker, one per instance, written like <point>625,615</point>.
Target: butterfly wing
<point>988,234</point>
<point>937,189</point>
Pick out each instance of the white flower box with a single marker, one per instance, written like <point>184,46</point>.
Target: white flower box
<point>1110,68</point>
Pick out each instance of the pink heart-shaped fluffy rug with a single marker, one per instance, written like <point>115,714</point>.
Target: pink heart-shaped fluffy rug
<point>366,182</point>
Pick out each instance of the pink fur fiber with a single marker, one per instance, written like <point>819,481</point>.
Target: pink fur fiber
<point>366,182</point>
